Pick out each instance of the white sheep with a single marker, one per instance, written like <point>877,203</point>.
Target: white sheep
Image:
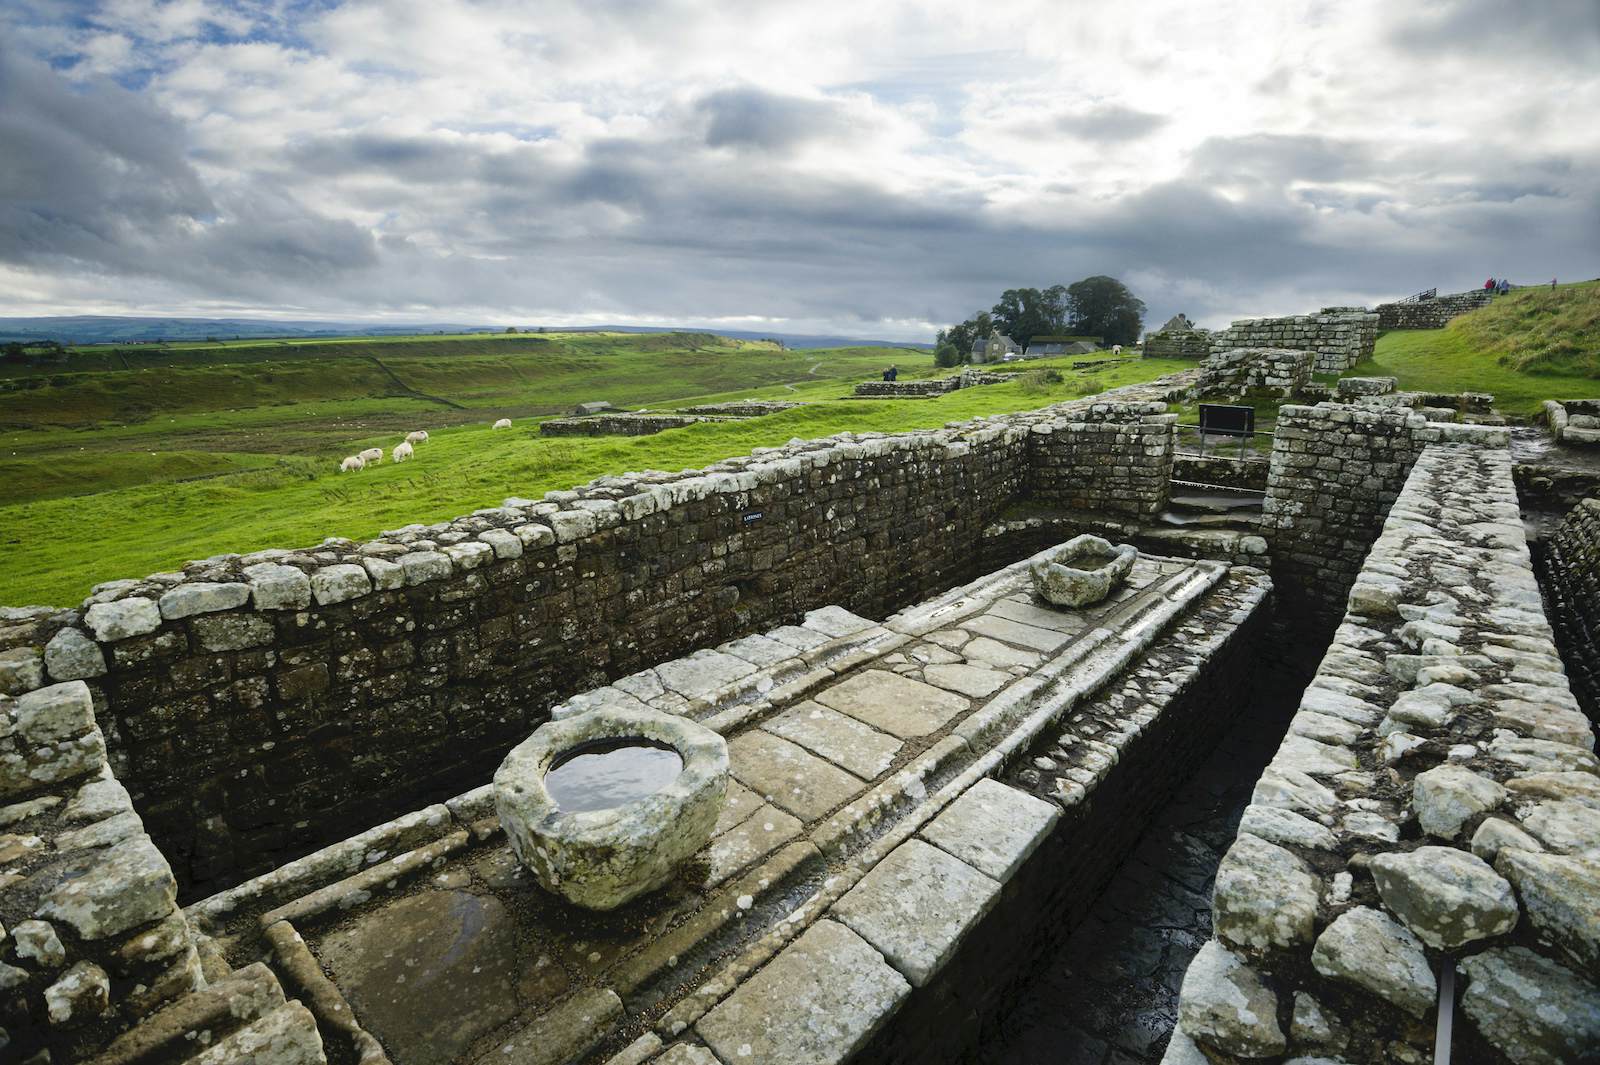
<point>1116,349</point>
<point>417,437</point>
<point>402,451</point>
<point>371,456</point>
<point>503,423</point>
<point>353,463</point>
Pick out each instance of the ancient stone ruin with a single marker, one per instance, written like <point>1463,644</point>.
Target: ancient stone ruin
<point>1431,311</point>
<point>1339,337</point>
<point>316,805</point>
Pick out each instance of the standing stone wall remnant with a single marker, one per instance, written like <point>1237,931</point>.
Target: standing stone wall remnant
<point>1340,336</point>
<point>1431,805</point>
<point>1432,313</point>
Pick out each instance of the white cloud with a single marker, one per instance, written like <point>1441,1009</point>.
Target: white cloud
<point>874,168</point>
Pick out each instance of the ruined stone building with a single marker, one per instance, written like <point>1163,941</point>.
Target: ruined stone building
<point>248,809</point>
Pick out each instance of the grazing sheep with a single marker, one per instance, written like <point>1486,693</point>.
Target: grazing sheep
<point>372,455</point>
<point>503,423</point>
<point>402,451</point>
<point>354,462</point>
<point>1116,349</point>
<point>417,437</point>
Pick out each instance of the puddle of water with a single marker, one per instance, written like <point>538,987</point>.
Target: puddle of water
<point>598,776</point>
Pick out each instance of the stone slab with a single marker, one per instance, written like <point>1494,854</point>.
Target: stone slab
<point>994,653</point>
<point>916,906</point>
<point>842,740</point>
<point>992,827</point>
<point>975,682</point>
<point>818,1001</point>
<point>1025,610</point>
<point>790,776</point>
<point>440,946</point>
<point>754,838</point>
<point>1014,632</point>
<point>894,704</point>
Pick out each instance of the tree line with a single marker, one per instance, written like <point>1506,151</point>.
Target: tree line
<point>1096,306</point>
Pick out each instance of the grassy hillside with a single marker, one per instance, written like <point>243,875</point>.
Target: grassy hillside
<point>130,473</point>
<point>1526,347</point>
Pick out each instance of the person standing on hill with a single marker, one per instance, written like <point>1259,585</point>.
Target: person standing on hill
<point>1552,284</point>
<point>891,373</point>
<point>1488,286</point>
<point>1505,286</point>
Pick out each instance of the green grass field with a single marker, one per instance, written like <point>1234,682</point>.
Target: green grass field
<point>122,473</point>
<point>1532,345</point>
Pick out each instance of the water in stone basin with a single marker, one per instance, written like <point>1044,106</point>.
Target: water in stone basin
<point>598,776</point>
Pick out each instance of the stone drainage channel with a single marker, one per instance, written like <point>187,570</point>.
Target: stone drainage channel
<point>1109,996</point>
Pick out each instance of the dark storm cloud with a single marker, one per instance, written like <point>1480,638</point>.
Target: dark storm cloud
<point>754,118</point>
<point>98,177</point>
<point>1549,30</point>
<point>85,173</point>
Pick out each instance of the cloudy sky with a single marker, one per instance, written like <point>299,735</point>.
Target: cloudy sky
<point>874,168</point>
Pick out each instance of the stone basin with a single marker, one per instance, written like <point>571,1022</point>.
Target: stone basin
<point>603,858</point>
<point>1082,571</point>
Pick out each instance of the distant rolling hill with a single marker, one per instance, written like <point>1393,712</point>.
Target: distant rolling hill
<point>102,329</point>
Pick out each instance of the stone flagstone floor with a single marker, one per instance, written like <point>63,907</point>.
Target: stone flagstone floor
<point>1111,996</point>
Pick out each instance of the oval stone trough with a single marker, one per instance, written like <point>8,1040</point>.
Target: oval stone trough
<point>1082,571</point>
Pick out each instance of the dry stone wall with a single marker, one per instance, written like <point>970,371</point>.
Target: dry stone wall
<point>617,424</point>
<point>1112,458</point>
<point>1244,370</point>
<point>258,706</point>
<point>1432,313</point>
<point>91,938</point>
<point>1569,571</point>
<point>1433,806</point>
<point>1335,470</point>
<point>1340,336</point>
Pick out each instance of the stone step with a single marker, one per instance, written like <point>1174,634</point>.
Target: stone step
<point>198,1019</point>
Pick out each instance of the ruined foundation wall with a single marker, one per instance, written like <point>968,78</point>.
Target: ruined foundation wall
<point>259,706</point>
<point>1432,805</point>
<point>1104,461</point>
<point>617,424</point>
<point>1569,572</point>
<point>1340,337</point>
<point>1430,314</point>
<point>90,934</point>
<point>1178,344</point>
<point>1335,470</point>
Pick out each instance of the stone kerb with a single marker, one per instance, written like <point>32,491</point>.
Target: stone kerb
<point>1432,803</point>
<point>91,939</point>
<point>254,702</point>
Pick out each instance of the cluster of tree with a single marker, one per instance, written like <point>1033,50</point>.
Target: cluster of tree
<point>19,351</point>
<point>1096,306</point>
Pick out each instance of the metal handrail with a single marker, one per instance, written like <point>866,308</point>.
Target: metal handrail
<point>1420,296</point>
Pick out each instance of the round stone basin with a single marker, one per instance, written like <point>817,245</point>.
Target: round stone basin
<point>607,773</point>
<point>605,806</point>
<point>1082,571</point>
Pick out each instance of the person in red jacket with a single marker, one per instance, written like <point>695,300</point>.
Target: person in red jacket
<point>1488,286</point>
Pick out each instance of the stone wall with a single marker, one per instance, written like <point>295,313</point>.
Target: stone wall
<point>617,424</point>
<point>1431,808</point>
<point>1573,421</point>
<point>257,706</point>
<point>936,386</point>
<point>1569,572</point>
<point>1430,314</point>
<point>1240,371</point>
<point>1113,458</point>
<point>1335,471</point>
<point>91,938</point>
<point>750,408</point>
<point>1340,339</point>
<point>1178,344</point>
